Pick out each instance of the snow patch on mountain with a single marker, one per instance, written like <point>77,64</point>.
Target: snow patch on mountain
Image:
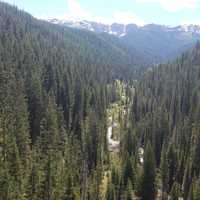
<point>121,30</point>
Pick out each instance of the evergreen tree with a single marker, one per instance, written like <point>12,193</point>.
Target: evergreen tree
<point>129,192</point>
<point>172,165</point>
<point>110,194</point>
<point>148,179</point>
<point>196,189</point>
<point>175,191</point>
<point>187,180</point>
<point>191,195</point>
<point>164,172</point>
<point>128,172</point>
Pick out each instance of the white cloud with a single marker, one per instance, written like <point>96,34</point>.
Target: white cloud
<point>76,12</point>
<point>127,18</point>
<point>174,5</point>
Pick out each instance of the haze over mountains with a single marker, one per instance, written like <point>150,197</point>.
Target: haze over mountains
<point>119,29</point>
<point>157,43</point>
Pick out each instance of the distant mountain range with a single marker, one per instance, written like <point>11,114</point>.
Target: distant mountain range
<point>122,30</point>
<point>156,43</point>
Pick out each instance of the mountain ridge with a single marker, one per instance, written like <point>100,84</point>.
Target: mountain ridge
<point>119,29</point>
<point>156,43</point>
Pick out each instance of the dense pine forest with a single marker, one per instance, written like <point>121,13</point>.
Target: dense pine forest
<point>165,113</point>
<point>75,124</point>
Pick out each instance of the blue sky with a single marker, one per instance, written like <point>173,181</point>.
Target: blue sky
<point>167,12</point>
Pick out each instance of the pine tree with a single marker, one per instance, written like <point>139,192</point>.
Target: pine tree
<point>36,177</point>
<point>175,191</point>
<point>49,135</point>
<point>69,192</point>
<point>196,189</point>
<point>110,194</point>
<point>164,172</point>
<point>187,180</point>
<point>191,195</point>
<point>15,172</point>
<point>21,122</point>
<point>128,172</point>
<point>172,166</point>
<point>116,178</point>
<point>129,191</point>
<point>148,179</point>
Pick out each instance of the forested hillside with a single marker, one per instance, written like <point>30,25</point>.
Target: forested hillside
<point>158,43</point>
<point>165,113</point>
<point>153,42</point>
<point>53,100</point>
<point>75,124</point>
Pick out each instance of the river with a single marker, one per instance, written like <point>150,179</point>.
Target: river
<point>113,145</point>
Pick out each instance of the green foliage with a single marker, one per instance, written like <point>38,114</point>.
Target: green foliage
<point>53,100</point>
<point>175,191</point>
<point>196,190</point>
<point>129,195</point>
<point>164,171</point>
<point>110,195</point>
<point>148,179</point>
<point>55,86</point>
<point>128,172</point>
<point>165,110</point>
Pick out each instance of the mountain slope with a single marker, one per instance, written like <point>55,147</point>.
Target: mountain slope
<point>166,112</point>
<point>156,43</point>
<point>53,99</point>
<point>160,43</point>
<point>78,44</point>
<point>58,60</point>
<point>58,98</point>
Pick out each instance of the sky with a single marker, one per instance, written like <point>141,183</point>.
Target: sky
<point>140,12</point>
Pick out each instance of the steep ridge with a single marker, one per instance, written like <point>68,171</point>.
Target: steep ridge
<point>165,111</point>
<point>155,43</point>
<point>53,101</point>
<point>78,44</point>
